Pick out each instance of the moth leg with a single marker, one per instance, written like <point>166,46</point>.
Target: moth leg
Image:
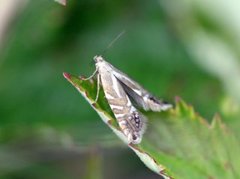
<point>90,77</point>
<point>98,87</point>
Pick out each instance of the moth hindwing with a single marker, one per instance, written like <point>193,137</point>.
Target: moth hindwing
<point>119,89</point>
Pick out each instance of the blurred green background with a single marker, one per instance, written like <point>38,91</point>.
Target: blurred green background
<point>47,130</point>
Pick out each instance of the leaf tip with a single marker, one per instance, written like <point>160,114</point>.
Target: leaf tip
<point>66,75</point>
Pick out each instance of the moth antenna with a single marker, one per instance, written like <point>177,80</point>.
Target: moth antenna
<point>113,41</point>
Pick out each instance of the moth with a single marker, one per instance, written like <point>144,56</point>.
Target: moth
<point>123,94</point>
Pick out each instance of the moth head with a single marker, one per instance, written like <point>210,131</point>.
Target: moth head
<point>98,59</point>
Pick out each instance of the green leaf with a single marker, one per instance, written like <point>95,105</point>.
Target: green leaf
<point>178,143</point>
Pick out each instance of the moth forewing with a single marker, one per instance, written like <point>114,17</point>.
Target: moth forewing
<point>139,95</point>
<point>146,100</point>
<point>131,122</point>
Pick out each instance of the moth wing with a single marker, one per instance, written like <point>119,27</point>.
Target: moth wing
<point>139,95</point>
<point>130,120</point>
<point>135,97</point>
